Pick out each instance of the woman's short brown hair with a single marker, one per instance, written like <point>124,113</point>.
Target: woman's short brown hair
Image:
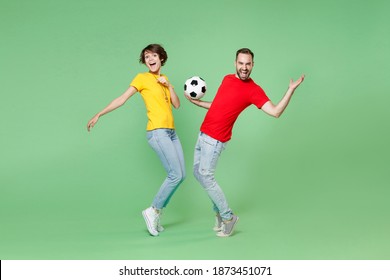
<point>155,48</point>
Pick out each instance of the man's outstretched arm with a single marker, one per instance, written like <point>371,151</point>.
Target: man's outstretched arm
<point>278,109</point>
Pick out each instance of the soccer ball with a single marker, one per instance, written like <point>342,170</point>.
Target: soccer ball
<point>195,87</point>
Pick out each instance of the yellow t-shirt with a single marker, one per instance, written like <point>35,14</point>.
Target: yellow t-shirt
<point>157,100</point>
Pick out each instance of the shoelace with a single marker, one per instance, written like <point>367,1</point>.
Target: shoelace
<point>155,222</point>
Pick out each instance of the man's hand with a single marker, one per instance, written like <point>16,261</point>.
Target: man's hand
<point>198,102</point>
<point>293,85</point>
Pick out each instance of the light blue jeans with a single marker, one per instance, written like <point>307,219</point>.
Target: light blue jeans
<point>167,145</point>
<point>207,153</point>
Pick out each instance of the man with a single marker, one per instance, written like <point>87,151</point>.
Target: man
<point>236,92</point>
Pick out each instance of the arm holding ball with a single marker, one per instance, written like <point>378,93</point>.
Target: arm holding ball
<point>198,102</point>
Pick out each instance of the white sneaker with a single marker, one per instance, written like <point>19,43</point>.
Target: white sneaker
<point>227,227</point>
<point>160,228</point>
<point>218,223</point>
<point>151,218</point>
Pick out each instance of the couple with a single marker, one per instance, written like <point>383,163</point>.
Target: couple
<point>236,92</point>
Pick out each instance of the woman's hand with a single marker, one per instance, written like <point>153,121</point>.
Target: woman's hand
<point>92,122</point>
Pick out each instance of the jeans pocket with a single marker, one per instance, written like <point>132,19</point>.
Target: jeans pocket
<point>209,141</point>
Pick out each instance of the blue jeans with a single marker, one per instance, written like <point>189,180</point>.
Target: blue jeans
<point>167,145</point>
<point>207,153</point>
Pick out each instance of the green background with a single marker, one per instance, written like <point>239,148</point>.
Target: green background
<point>313,184</point>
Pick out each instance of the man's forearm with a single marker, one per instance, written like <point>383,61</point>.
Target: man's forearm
<point>282,105</point>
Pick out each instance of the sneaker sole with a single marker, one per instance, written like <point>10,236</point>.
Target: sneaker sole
<point>221,234</point>
<point>149,225</point>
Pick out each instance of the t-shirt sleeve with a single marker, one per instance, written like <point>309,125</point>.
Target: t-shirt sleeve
<point>137,83</point>
<point>259,97</point>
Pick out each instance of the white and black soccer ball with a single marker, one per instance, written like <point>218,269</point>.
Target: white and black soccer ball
<point>195,87</point>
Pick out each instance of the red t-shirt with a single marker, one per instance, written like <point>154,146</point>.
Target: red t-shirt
<point>232,97</point>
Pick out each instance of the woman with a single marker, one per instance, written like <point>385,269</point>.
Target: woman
<point>158,95</point>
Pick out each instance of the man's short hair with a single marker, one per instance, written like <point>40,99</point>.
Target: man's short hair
<point>245,51</point>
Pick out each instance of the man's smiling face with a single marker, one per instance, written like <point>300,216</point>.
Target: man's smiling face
<point>244,64</point>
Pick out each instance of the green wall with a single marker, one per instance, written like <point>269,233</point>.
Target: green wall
<point>313,184</point>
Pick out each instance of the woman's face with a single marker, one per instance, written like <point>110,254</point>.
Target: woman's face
<point>153,62</point>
